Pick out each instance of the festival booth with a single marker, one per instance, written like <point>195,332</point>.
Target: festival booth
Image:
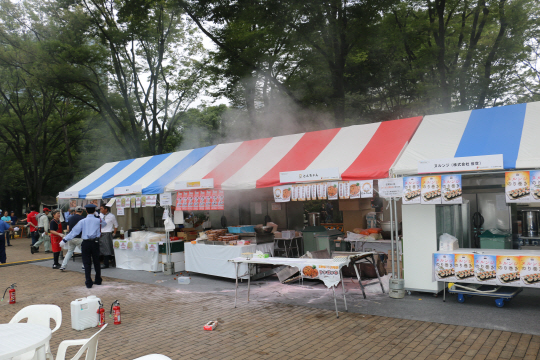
<point>471,197</point>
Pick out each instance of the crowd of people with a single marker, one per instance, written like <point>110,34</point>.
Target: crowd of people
<point>55,230</point>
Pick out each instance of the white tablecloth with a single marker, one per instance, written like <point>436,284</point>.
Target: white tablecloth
<point>17,339</point>
<point>214,259</point>
<point>137,260</point>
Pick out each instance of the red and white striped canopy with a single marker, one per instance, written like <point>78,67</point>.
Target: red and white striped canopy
<point>361,152</point>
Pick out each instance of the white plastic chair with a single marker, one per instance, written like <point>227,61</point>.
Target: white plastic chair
<point>89,346</point>
<point>39,315</point>
<point>153,357</point>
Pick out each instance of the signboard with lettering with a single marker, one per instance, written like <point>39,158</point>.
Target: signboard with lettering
<point>517,187</point>
<point>68,195</point>
<point>412,190</point>
<point>460,164</point>
<point>451,189</point>
<point>392,187</point>
<point>309,175</point>
<point>194,184</point>
<point>125,190</point>
<point>431,190</point>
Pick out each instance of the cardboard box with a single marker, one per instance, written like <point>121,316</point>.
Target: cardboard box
<point>187,236</point>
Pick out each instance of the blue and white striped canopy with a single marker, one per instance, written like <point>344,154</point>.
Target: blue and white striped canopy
<point>512,131</point>
<point>152,173</point>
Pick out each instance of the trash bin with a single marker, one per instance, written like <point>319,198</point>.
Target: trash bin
<point>495,239</point>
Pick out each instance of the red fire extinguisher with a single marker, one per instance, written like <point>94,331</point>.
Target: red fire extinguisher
<point>116,308</point>
<point>11,293</point>
<point>101,314</point>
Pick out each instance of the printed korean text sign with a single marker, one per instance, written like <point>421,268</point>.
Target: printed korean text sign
<point>517,186</point>
<point>530,271</point>
<point>451,189</point>
<point>464,267</point>
<point>412,190</point>
<point>392,187</point>
<point>443,267</point>
<point>508,270</point>
<point>431,190</point>
<point>485,268</point>
<point>469,163</point>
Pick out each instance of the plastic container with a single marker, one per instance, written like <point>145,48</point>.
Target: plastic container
<point>288,234</point>
<point>84,313</point>
<point>397,288</point>
<point>241,229</point>
<point>184,280</point>
<point>495,239</point>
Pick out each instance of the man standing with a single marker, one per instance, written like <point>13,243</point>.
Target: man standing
<point>43,230</point>
<point>14,220</point>
<point>33,224</point>
<point>90,229</point>
<point>77,240</point>
<point>4,227</point>
<point>107,233</point>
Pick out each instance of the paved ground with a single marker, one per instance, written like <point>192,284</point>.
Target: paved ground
<point>20,252</point>
<point>158,319</point>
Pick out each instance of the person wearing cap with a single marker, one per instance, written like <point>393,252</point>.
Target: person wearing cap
<point>43,230</point>
<point>107,232</point>
<point>90,227</point>
<point>77,240</point>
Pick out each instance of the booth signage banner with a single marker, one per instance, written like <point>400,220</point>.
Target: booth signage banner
<point>208,205</point>
<point>68,195</point>
<point>517,187</point>
<point>485,268</point>
<point>126,190</point>
<point>165,199</point>
<point>194,184</point>
<point>138,201</point>
<point>189,206</point>
<point>534,177</point>
<point>443,267</point>
<point>119,211</point>
<point>179,200</point>
<point>301,193</point>
<point>332,190</point>
<point>137,245</point>
<point>282,193</point>
<point>152,246</point>
<point>344,190</point>
<point>307,191</point>
<point>124,202</point>
<point>460,164</point>
<point>150,200</point>
<point>366,189</point>
<point>392,187</point>
<point>431,190</point>
<point>185,200</point>
<point>133,202</point>
<point>309,175</point>
<point>313,191</point>
<point>321,190</point>
<point>294,192</point>
<point>214,200</point>
<point>412,190</point>
<point>221,200</point>
<point>451,189</point>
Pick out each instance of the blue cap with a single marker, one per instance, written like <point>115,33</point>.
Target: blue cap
<point>90,206</point>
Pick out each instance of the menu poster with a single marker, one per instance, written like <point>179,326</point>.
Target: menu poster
<point>517,187</point>
<point>179,199</point>
<point>443,267</point>
<point>143,200</point>
<point>133,202</point>
<point>534,177</point>
<point>124,202</point>
<point>138,201</point>
<point>221,200</point>
<point>451,189</point>
<point>366,189</point>
<point>214,200</point>
<point>119,211</point>
<point>530,271</point>
<point>152,246</point>
<point>464,267</point>
<point>196,199</point>
<point>355,189</point>
<point>208,205</point>
<point>151,200</point>
<point>321,190</point>
<point>137,245</point>
<point>314,191</point>
<point>344,190</point>
<point>307,190</point>
<point>185,200</point>
<point>282,193</point>
<point>294,194</point>
<point>189,206</point>
<point>301,193</point>
<point>485,268</point>
<point>431,190</point>
<point>165,199</point>
<point>412,190</point>
<point>508,270</point>
<point>332,190</point>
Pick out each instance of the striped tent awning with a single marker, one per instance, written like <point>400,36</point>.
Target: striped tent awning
<point>361,152</point>
<point>508,130</point>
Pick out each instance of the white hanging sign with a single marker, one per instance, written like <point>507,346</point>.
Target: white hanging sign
<point>68,195</point>
<point>392,187</point>
<point>125,190</point>
<point>165,199</point>
<point>459,164</point>
<point>309,175</point>
<point>194,184</point>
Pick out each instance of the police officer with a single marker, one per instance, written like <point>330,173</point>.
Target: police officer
<point>90,227</point>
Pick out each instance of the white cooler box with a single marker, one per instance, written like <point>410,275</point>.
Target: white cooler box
<point>84,313</point>
<point>177,258</point>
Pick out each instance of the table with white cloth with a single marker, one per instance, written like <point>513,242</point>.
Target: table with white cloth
<point>137,259</point>
<point>326,270</point>
<point>20,338</point>
<point>214,259</point>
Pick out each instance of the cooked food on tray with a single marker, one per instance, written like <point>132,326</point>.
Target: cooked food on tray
<point>518,193</point>
<point>506,278</point>
<point>432,194</point>
<point>486,275</point>
<point>444,273</point>
<point>532,278</point>
<point>411,194</point>
<point>452,194</point>
<point>310,271</point>
<point>463,274</point>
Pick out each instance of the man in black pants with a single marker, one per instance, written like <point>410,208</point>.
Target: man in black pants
<point>90,227</point>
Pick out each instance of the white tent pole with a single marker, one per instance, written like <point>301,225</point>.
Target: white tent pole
<point>397,240</point>
<point>392,236</point>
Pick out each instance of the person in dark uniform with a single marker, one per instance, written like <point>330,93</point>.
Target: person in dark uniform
<point>90,227</point>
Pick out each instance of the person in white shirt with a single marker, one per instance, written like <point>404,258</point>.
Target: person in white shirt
<point>43,229</point>
<point>107,232</point>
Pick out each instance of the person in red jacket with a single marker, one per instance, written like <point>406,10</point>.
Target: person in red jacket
<point>33,225</point>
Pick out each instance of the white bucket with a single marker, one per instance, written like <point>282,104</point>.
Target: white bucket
<point>84,313</point>
<point>184,280</point>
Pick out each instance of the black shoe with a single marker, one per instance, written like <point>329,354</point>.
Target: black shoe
<point>88,287</point>
<point>48,251</point>
<point>32,249</point>
<point>56,266</point>
<point>9,245</point>
<point>104,266</point>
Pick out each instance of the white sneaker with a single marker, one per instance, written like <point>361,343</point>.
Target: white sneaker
<point>83,267</point>
<point>62,268</point>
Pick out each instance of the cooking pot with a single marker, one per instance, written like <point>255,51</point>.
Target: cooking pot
<point>314,219</point>
<point>386,226</point>
<point>529,224</point>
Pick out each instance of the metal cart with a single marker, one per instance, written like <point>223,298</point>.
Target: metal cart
<point>501,294</point>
